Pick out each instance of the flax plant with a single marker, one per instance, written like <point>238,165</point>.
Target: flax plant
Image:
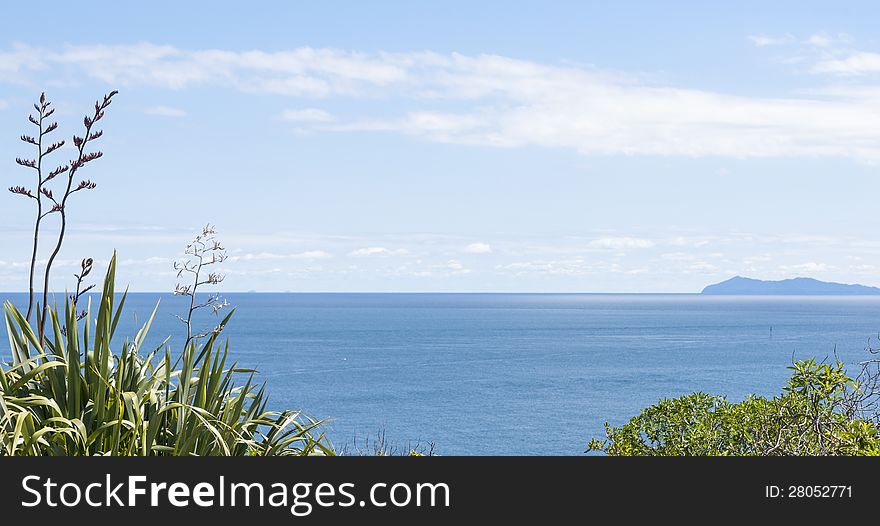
<point>70,394</point>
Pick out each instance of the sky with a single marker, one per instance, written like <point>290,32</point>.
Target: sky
<point>456,146</point>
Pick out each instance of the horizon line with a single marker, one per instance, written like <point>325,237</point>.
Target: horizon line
<point>369,292</point>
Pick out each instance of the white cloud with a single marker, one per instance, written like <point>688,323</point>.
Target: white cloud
<point>859,63</point>
<point>620,243</point>
<point>568,267</point>
<point>456,267</point>
<point>810,266</point>
<point>270,256</point>
<point>477,248</point>
<point>820,40</point>
<point>301,71</point>
<point>378,251</point>
<point>15,60</point>
<point>678,256</point>
<point>824,40</point>
<point>682,241</point>
<point>503,102</point>
<point>165,111</point>
<point>703,266</point>
<point>306,115</point>
<point>3,104</point>
<point>767,40</point>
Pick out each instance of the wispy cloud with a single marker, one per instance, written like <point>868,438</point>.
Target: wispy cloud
<point>270,256</point>
<point>823,53</point>
<point>477,248</point>
<point>770,40</point>
<point>808,267</point>
<point>456,267</point>
<point>378,251</point>
<point>621,243</point>
<point>824,40</point>
<point>689,241</point>
<point>301,71</point>
<point>821,40</point>
<point>501,101</point>
<point>859,63</point>
<point>306,115</point>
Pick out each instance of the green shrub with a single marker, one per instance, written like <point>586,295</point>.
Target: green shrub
<point>69,394</point>
<point>817,414</point>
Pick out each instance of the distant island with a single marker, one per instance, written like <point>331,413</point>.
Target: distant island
<point>791,287</point>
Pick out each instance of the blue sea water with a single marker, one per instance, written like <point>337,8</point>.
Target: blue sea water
<point>515,374</point>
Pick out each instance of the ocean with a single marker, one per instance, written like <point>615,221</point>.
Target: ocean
<point>514,374</point>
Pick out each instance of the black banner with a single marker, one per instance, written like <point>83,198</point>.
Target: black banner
<point>407,490</point>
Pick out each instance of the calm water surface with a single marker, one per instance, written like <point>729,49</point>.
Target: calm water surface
<point>516,373</point>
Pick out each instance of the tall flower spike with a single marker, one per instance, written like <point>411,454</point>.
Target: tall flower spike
<point>71,169</point>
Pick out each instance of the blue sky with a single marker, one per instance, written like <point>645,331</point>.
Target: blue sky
<point>528,146</point>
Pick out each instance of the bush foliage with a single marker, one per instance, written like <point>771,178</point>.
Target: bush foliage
<point>816,414</point>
